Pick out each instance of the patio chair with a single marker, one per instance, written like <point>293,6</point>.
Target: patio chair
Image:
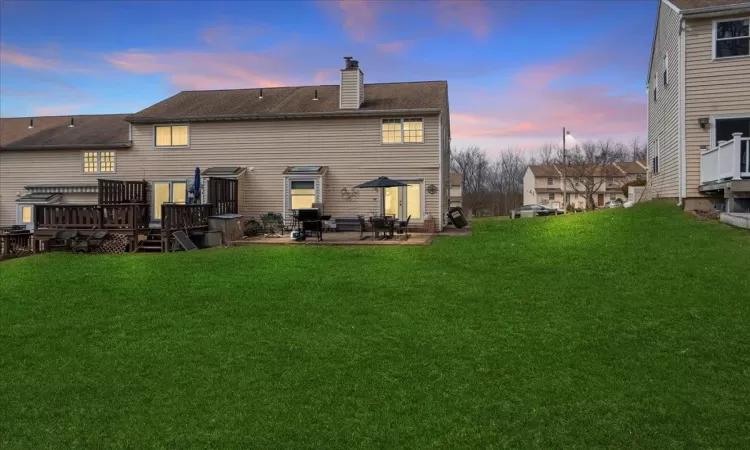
<point>380,225</point>
<point>403,226</point>
<point>272,224</point>
<point>61,240</point>
<point>362,226</point>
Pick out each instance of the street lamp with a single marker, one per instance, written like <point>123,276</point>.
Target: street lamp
<point>566,133</point>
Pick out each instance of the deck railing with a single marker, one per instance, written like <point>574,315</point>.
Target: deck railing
<point>116,192</point>
<point>16,244</point>
<point>185,217</point>
<point>223,193</point>
<point>730,160</point>
<point>109,217</point>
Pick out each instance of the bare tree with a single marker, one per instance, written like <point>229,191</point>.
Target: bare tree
<point>589,166</point>
<point>546,154</point>
<point>637,150</point>
<point>474,166</point>
<point>505,182</point>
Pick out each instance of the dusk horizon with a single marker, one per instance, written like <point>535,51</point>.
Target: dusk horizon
<point>508,88</point>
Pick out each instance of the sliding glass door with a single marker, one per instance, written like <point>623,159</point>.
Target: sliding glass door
<point>168,192</point>
<point>402,202</point>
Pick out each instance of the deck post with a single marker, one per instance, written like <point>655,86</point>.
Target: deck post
<point>737,156</point>
<point>6,245</point>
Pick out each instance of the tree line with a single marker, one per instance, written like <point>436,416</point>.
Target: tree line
<point>493,186</point>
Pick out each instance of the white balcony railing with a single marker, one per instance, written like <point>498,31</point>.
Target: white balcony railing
<point>730,160</point>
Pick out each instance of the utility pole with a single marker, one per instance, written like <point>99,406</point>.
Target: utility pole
<point>565,206</point>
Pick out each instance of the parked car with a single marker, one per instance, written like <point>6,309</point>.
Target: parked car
<point>538,209</point>
<point>613,204</point>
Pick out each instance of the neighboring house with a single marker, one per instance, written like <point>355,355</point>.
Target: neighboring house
<point>290,147</point>
<point>543,185</point>
<point>699,103</point>
<point>456,182</point>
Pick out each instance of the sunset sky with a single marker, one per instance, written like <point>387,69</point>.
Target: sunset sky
<point>517,71</point>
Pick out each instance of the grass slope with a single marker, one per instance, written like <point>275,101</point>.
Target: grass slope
<point>622,328</point>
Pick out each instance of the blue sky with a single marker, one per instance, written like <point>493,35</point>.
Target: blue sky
<point>517,71</point>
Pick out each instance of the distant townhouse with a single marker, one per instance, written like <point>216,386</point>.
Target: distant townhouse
<point>543,185</point>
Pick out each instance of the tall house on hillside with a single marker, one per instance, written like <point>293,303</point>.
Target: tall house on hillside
<point>699,104</point>
<point>287,147</point>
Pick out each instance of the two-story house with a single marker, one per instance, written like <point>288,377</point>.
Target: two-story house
<point>543,185</point>
<point>699,104</point>
<point>289,147</point>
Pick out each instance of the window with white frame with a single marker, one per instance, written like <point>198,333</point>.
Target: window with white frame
<point>402,131</point>
<point>551,195</point>
<point>610,181</point>
<point>613,196</point>
<point>655,90</point>
<point>302,194</point>
<point>99,162</point>
<point>26,214</point>
<point>732,38</point>
<point>665,69</point>
<point>171,136</point>
<point>550,181</point>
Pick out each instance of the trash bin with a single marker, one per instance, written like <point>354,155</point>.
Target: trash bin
<point>456,216</point>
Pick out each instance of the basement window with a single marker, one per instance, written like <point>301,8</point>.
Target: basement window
<point>732,38</point>
<point>402,131</point>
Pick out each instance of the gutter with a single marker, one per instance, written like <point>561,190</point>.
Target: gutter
<point>67,146</point>
<point>344,113</point>
<point>738,8</point>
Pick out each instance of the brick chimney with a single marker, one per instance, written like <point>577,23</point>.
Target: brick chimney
<point>352,92</point>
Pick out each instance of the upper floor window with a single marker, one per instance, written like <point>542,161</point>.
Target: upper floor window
<point>610,181</point>
<point>732,38</point>
<point>98,162</point>
<point>171,136</point>
<point>402,131</point>
<point>665,72</point>
<point>550,181</point>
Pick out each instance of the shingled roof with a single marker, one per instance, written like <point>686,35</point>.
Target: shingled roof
<point>55,132</point>
<point>544,170</point>
<point>282,102</point>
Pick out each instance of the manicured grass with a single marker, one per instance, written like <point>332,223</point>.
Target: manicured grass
<point>621,328</point>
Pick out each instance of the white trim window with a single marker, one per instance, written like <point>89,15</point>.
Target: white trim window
<point>550,181</point>
<point>731,38</point>
<point>665,69</point>
<point>98,162</point>
<point>551,195</point>
<point>167,192</point>
<point>402,131</point>
<point>302,194</point>
<point>171,136</point>
<point>26,216</point>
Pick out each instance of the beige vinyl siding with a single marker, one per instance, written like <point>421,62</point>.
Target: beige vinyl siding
<point>350,148</point>
<point>351,88</point>
<point>19,168</point>
<point>713,87</point>
<point>664,114</point>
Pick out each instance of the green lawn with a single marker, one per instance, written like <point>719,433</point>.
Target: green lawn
<point>621,328</point>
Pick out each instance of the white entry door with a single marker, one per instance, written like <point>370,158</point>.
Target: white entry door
<point>168,192</point>
<point>403,202</point>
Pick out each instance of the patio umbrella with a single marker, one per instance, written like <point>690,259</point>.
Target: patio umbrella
<point>381,183</point>
<point>197,185</point>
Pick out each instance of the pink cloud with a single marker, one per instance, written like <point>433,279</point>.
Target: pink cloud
<point>359,17</point>
<point>229,35</point>
<point>393,47</point>
<point>533,106</point>
<point>471,14</point>
<point>208,70</point>
<point>9,55</point>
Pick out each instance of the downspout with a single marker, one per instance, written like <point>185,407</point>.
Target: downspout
<point>682,136</point>
<point>440,171</point>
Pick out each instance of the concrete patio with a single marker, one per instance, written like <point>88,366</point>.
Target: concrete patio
<point>740,220</point>
<point>340,238</point>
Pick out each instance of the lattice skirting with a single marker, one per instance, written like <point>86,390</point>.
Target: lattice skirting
<point>114,243</point>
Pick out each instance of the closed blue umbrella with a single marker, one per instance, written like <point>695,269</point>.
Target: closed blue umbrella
<point>197,185</point>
